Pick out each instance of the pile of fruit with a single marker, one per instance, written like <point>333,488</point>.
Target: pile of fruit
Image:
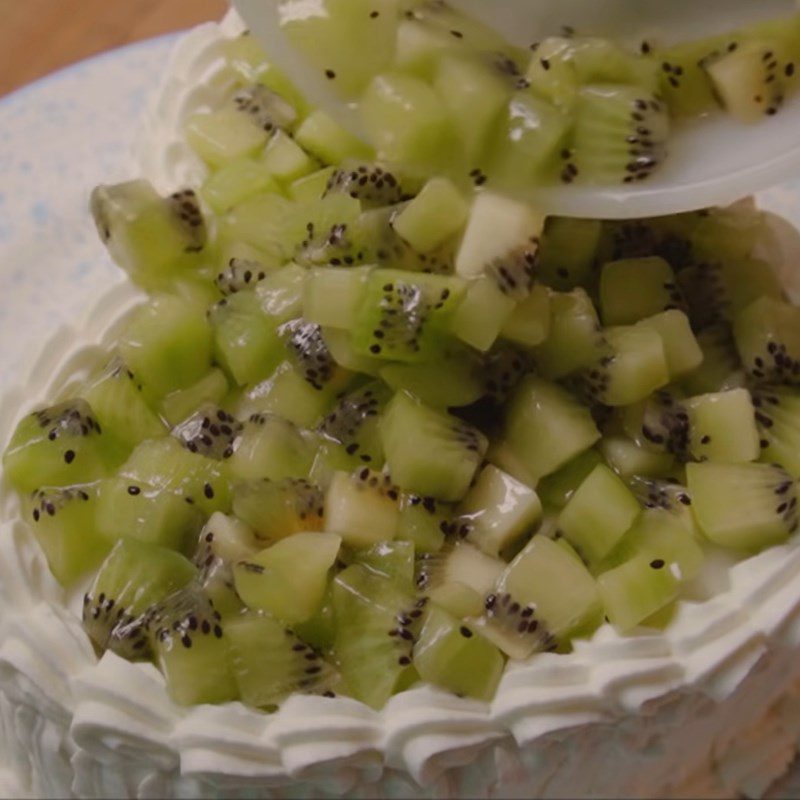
<point>371,428</point>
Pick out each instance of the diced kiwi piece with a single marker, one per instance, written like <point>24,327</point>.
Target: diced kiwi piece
<point>751,81</point>
<point>151,237</point>
<point>394,559</point>
<point>453,381</point>
<point>269,662</point>
<point>498,510</point>
<point>223,541</point>
<point>165,464</point>
<point>427,452</point>
<point>598,514</point>
<point>211,388</point>
<point>619,135</point>
<point>567,252</point>
<point>240,273</point>
<point>474,94</point>
<point>765,511</point>
<point>635,369</point>
<point>288,579</point>
<point>405,316</point>
<point>556,489</point>
<point>354,420</point>
<point>634,288</point>
<point>685,84</point>
<point>323,41</point>
<point>628,457</point>
<point>666,494</point>
<point>167,345</point>
<point>423,521</point>
<point>482,313</point>
<point>277,509</point>
<point>723,427</point>
<point>436,214</point>
<point>361,507</point>
<point>659,534</point>
<point>281,292</point>
<point>575,339</point>
<point>375,622</point>
<point>58,446</point>
<point>501,239</point>
<point>311,187</point>
<point>457,599</point>
<point>407,123</point>
<point>371,184</point>
<point>546,427</point>
<point>310,356</point>
<point>119,407</point>
<point>134,576</point>
<point>530,611</point>
<point>191,649</point>
<point>451,654</point>
<point>237,181</point>
<point>332,295</point>
<point>286,394</point>
<point>209,431</point>
<point>524,142</point>
<point>460,563</point>
<point>529,322</point>
<point>324,138</point>
<point>137,510</point>
<point>636,590</point>
<point>285,159</point>
<point>560,65</point>
<point>682,351</point>
<point>63,522</point>
<point>246,341</point>
<point>768,340</point>
<point>269,446</point>
<point>778,421</point>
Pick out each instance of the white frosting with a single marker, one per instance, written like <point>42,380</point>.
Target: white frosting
<point>710,706</point>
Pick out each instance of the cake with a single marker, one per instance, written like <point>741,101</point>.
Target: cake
<point>710,706</point>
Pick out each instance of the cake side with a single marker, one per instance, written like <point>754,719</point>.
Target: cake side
<point>76,723</point>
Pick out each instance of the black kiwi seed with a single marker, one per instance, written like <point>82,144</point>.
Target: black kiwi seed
<point>657,563</point>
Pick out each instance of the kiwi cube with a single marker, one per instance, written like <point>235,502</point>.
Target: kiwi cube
<point>567,252</point>
<point>452,654</point>
<point>556,489</point>
<point>332,295</point>
<point>436,214</point>
<point>58,446</point>
<point>288,579</point>
<point>167,345</point>
<point>361,507</point>
<point>498,510</point>
<point>270,447</point>
<point>482,314</point>
<point>237,181</point>
<point>682,351</point>
<point>224,135</point>
<point>634,288</point>
<point>376,622</point>
<point>178,405</point>
<point>63,522</point>
<point>529,610</point>
<point>723,427</point>
<point>628,457</point>
<point>133,577</point>
<point>462,563</point>
<point>598,514</point>
<point>457,599</point>
<point>637,589</point>
<point>277,509</point>
<point>322,137</point>
<point>191,649</point>
<point>778,420</point>
<point>394,559</point>
<point>269,662</point>
<point>529,322</point>
<point>765,511</point>
<point>428,452</point>
<point>285,159</point>
<point>423,522</point>
<point>546,427</point>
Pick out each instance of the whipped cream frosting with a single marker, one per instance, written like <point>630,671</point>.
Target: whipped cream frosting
<point>709,707</point>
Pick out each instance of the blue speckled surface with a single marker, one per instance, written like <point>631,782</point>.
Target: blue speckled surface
<point>58,138</point>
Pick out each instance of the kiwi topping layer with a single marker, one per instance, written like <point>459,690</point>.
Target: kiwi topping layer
<point>375,427</point>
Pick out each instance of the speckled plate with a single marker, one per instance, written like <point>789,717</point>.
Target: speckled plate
<point>58,138</point>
